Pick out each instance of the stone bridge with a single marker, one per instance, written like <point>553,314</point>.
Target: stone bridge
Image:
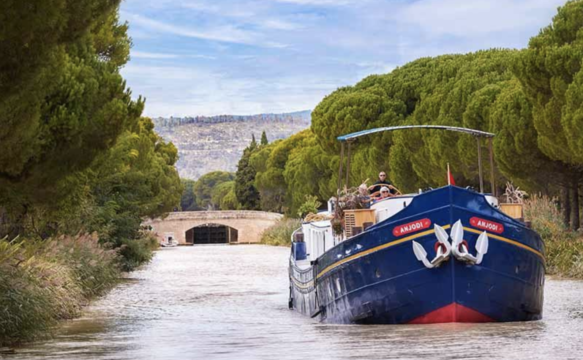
<point>204,227</point>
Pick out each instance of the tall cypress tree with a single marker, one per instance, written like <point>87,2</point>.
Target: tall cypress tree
<point>247,194</point>
<point>264,138</point>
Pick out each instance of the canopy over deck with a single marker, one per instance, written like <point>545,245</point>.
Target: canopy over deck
<point>358,134</point>
<point>477,133</point>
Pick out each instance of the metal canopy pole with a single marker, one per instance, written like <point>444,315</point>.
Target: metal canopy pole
<point>480,165</point>
<point>348,165</point>
<point>492,179</point>
<point>339,175</point>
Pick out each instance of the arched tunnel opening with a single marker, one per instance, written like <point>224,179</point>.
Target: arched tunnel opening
<point>211,234</point>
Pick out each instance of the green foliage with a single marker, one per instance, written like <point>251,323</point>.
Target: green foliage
<point>264,139</point>
<point>549,71</point>
<point>280,233</point>
<point>67,104</point>
<point>309,170</point>
<point>229,201</point>
<point>224,196</point>
<point>188,199</point>
<point>134,180</point>
<point>76,157</point>
<point>311,205</point>
<point>517,153</point>
<point>206,186</point>
<point>245,190</point>
<point>136,252</point>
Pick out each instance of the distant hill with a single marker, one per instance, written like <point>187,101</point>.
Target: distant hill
<point>210,143</point>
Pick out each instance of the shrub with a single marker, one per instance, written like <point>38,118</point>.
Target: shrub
<point>311,205</point>
<point>280,233</point>
<point>564,248</point>
<point>137,252</point>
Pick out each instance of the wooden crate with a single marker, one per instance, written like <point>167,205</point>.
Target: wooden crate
<point>357,218</point>
<point>513,210</point>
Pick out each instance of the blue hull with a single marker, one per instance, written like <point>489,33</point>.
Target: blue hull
<point>375,278</point>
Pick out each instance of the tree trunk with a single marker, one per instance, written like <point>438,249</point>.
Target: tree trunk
<point>575,223</point>
<point>566,206</point>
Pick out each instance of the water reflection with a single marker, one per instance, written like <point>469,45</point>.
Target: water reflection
<point>230,302</point>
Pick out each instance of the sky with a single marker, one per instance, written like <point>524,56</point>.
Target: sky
<point>242,57</point>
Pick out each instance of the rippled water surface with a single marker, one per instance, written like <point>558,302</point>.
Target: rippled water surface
<point>230,302</point>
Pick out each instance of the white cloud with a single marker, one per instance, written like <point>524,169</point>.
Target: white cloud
<point>151,55</point>
<point>227,33</point>
<point>465,18</point>
<point>277,24</point>
<point>184,91</point>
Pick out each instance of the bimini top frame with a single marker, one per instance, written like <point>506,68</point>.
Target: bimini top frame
<point>356,135</point>
<point>477,133</point>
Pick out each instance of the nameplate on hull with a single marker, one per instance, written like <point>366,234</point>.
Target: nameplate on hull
<point>487,225</point>
<point>411,227</point>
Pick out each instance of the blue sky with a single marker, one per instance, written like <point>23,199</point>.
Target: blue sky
<point>210,57</point>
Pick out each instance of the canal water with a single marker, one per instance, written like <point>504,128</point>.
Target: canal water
<point>230,302</point>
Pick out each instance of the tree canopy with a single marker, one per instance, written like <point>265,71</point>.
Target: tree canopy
<point>76,153</point>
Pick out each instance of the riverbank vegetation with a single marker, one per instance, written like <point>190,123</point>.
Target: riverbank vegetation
<point>42,282</point>
<point>280,233</point>
<point>530,98</point>
<point>564,248</point>
<point>76,157</point>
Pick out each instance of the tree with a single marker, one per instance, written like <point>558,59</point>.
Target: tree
<point>62,99</point>
<point>515,144</point>
<point>264,139</point>
<point>223,195</point>
<point>136,179</point>
<point>188,199</point>
<point>229,201</point>
<point>247,194</point>
<point>206,185</point>
<point>550,71</point>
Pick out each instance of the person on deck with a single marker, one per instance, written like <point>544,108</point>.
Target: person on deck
<point>381,182</point>
<point>385,193</point>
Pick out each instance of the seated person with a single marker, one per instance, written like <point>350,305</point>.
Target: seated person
<point>382,182</point>
<point>363,196</point>
<point>384,194</point>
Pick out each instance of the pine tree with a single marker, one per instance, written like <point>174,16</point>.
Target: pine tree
<point>551,73</point>
<point>264,139</point>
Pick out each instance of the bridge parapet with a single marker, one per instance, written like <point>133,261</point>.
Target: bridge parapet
<point>232,214</point>
<point>249,224</point>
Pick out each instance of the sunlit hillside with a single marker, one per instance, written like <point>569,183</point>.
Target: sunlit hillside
<point>207,144</point>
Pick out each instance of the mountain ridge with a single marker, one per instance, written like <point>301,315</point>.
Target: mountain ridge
<point>213,143</point>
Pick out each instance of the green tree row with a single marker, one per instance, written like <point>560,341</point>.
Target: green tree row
<point>532,99</point>
<point>75,153</point>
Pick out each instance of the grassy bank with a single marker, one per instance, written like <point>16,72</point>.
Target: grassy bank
<point>564,248</point>
<point>280,233</point>
<point>42,283</point>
